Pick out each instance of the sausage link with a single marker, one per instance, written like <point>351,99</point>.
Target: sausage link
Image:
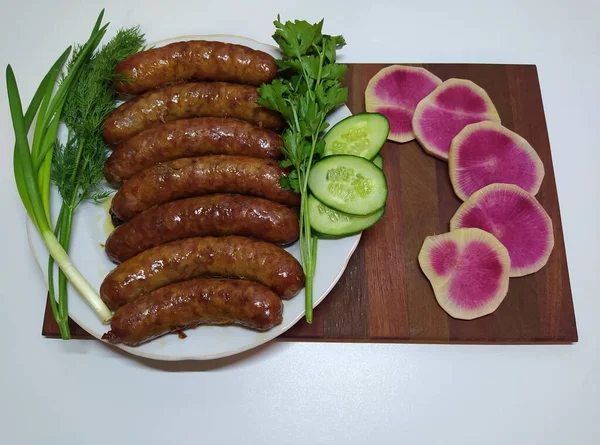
<point>187,100</point>
<point>203,175</point>
<point>187,138</point>
<point>229,256</point>
<point>196,302</point>
<point>194,60</point>
<point>215,215</point>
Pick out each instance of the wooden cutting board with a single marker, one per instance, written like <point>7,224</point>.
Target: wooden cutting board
<point>383,296</point>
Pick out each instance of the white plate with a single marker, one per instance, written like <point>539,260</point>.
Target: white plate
<point>204,342</point>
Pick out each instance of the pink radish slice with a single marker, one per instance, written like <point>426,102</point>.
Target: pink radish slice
<point>468,270</point>
<point>486,153</point>
<point>516,218</point>
<point>453,105</point>
<point>394,92</point>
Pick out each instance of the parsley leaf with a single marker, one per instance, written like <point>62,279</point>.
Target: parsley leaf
<point>308,88</point>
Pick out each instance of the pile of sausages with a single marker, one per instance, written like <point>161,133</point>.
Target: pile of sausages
<point>200,211</point>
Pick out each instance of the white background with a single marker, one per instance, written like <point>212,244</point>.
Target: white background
<point>82,392</point>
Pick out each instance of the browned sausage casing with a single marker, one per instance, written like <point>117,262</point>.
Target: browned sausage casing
<point>215,215</point>
<point>228,256</point>
<point>187,138</point>
<point>195,302</point>
<point>194,60</point>
<point>184,101</point>
<point>203,175</point>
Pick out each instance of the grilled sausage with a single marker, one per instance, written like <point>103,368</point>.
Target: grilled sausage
<point>203,175</point>
<point>229,256</point>
<point>215,215</point>
<point>191,303</point>
<point>198,99</point>
<point>187,138</point>
<point>194,60</point>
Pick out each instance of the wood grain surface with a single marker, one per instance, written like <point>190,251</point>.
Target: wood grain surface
<point>383,296</point>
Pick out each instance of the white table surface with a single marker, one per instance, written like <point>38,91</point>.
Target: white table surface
<point>83,392</point>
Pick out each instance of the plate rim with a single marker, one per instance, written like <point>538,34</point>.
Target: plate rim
<point>160,357</point>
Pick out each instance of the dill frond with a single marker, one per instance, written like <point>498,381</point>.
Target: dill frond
<point>78,164</point>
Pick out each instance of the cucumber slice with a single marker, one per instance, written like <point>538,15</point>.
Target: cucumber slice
<point>349,184</point>
<point>327,221</point>
<point>378,161</point>
<point>360,135</point>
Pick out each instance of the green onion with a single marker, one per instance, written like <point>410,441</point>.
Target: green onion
<point>32,166</point>
<point>30,195</point>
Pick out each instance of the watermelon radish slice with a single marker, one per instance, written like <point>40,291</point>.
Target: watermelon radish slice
<point>468,270</point>
<point>453,105</point>
<point>394,92</point>
<point>486,153</point>
<point>516,218</point>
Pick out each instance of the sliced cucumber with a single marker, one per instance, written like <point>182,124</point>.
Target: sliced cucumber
<point>378,161</point>
<point>361,135</point>
<point>328,221</point>
<point>349,184</point>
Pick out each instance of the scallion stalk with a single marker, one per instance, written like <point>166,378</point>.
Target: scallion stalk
<point>32,169</point>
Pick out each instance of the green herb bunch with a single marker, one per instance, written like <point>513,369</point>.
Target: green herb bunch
<point>33,165</point>
<point>308,88</point>
<point>77,165</point>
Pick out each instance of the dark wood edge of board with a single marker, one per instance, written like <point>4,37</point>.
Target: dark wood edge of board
<point>50,330</point>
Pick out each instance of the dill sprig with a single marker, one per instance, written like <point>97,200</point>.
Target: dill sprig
<point>78,163</point>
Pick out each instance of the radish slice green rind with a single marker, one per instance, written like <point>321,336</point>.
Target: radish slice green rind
<point>486,153</point>
<point>394,92</point>
<point>516,218</point>
<point>440,116</point>
<point>468,270</point>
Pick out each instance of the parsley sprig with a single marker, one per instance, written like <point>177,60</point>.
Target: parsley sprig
<point>308,88</point>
